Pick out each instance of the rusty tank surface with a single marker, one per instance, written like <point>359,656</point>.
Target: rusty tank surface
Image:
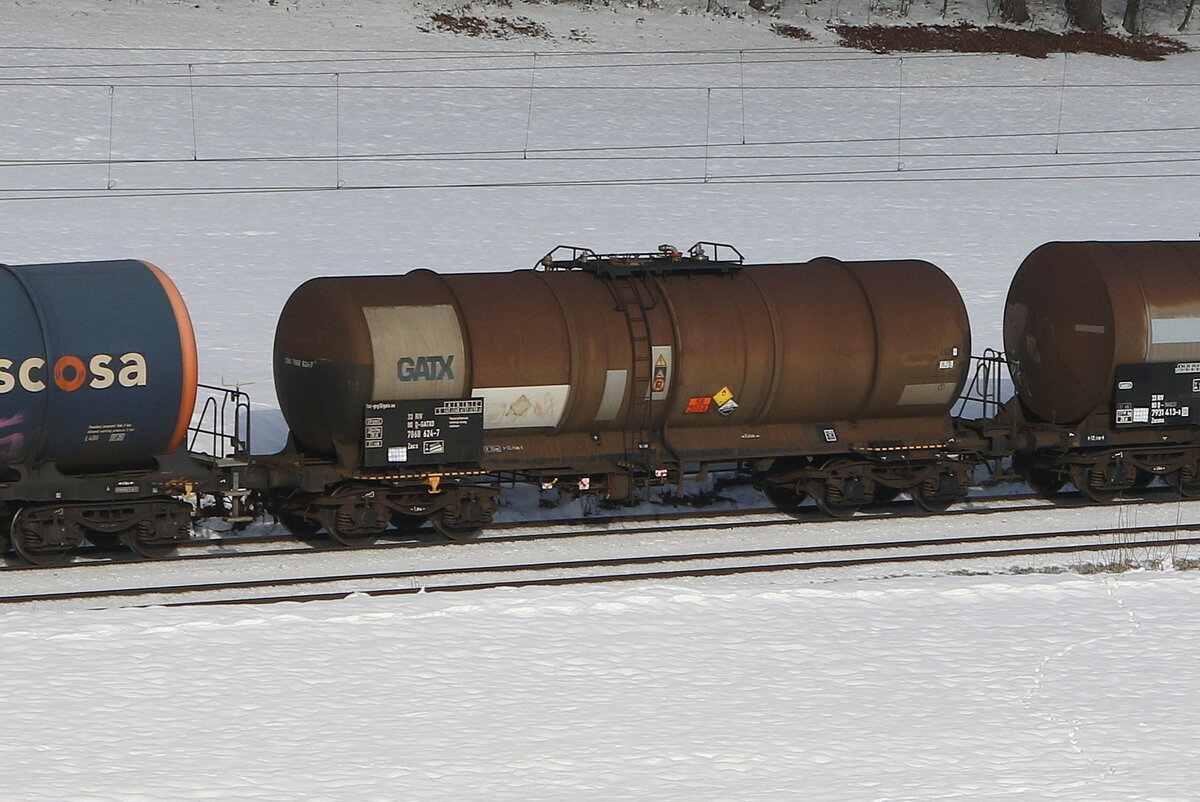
<point>601,363</point>
<point>1080,313</point>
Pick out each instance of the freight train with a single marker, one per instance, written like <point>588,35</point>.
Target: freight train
<point>412,399</point>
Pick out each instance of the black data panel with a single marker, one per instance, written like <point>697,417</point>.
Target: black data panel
<point>1157,394</point>
<point>398,434</point>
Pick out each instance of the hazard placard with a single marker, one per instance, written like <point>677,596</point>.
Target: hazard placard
<point>722,396</point>
<point>696,405</point>
<point>659,383</point>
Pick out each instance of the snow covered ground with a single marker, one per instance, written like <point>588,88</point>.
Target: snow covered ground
<point>211,139</point>
<point>981,688</point>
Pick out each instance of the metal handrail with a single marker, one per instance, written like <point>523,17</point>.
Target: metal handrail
<point>983,388</point>
<point>223,425</point>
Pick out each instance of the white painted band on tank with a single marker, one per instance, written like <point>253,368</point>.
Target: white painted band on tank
<point>1165,330</point>
<point>614,394</point>
<point>533,406</point>
<point>417,352</point>
<point>923,394</point>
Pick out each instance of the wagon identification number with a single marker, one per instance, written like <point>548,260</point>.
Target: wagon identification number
<point>1155,394</point>
<point>423,432</point>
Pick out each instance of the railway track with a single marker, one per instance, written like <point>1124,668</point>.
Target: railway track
<point>648,554</point>
<point>281,542</point>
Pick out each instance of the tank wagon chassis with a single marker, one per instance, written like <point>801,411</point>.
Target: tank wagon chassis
<point>46,513</point>
<point>140,510</point>
<point>840,485</point>
<point>1104,455</point>
<point>356,507</point>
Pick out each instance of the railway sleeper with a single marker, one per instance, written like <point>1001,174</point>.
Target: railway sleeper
<point>47,534</point>
<point>357,514</point>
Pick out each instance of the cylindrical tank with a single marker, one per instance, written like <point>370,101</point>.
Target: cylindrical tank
<point>97,365</point>
<point>554,350</point>
<point>1077,310</point>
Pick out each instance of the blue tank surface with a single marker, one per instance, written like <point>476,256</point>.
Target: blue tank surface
<point>97,365</point>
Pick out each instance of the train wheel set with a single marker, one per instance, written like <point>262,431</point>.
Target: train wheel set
<point>412,399</point>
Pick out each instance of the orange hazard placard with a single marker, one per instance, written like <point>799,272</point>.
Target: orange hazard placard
<point>698,405</point>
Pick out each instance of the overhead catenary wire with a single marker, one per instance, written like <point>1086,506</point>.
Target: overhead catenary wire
<point>889,176</point>
<point>183,82</point>
<point>981,171</point>
<point>648,150</point>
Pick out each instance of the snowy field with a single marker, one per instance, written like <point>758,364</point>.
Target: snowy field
<point>245,148</point>
<point>1034,687</point>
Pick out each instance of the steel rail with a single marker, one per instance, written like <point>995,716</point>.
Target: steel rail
<point>660,559</point>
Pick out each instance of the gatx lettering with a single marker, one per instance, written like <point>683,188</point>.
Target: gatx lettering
<point>69,373</point>
<point>425,368</point>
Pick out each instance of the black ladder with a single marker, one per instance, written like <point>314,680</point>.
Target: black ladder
<point>635,298</point>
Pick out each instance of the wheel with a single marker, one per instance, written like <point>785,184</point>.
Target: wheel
<point>146,539</point>
<point>829,498</point>
<point>938,493</point>
<point>356,524</point>
<point>1045,482</point>
<point>1184,482</point>
<point>786,498</point>
<point>42,542</point>
<point>454,531</point>
<point>930,502</point>
<point>1093,482</point>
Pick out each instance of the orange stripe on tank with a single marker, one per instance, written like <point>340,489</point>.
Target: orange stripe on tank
<point>187,349</point>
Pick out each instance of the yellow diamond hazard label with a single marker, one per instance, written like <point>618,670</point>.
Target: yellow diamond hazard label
<point>723,395</point>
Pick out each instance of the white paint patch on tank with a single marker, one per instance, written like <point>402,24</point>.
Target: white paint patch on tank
<point>523,407</point>
<point>417,351</point>
<point>923,394</point>
<point>614,394</point>
<point>1165,330</point>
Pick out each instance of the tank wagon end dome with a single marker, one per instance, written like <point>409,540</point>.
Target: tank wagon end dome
<point>1078,310</point>
<point>189,360</point>
<point>98,368</point>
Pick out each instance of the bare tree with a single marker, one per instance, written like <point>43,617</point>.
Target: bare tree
<point>1132,9</point>
<point>1187,16</point>
<point>1085,14</point>
<point>1016,11</point>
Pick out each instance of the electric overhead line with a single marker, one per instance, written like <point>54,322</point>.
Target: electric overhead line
<point>978,172</point>
<point>525,154</point>
<point>889,177</point>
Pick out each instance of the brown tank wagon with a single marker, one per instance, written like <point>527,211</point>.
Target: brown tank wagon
<point>830,378</point>
<point>1103,343</point>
